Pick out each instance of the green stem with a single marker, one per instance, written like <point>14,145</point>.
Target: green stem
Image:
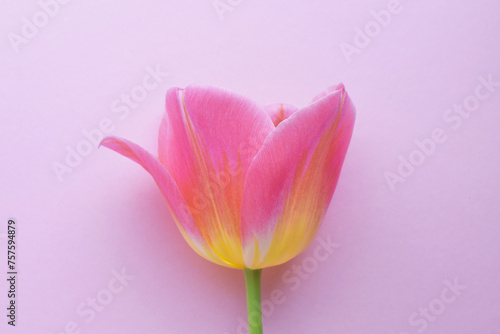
<point>252,279</point>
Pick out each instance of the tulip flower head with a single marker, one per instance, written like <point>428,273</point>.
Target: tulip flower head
<point>247,186</point>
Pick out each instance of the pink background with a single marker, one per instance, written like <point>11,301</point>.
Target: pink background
<point>395,248</point>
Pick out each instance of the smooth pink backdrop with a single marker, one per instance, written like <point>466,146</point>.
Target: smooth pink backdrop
<point>394,248</point>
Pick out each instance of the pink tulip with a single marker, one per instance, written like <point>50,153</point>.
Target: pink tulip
<point>247,186</point>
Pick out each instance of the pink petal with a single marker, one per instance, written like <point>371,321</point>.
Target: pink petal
<point>208,138</point>
<point>170,191</point>
<point>290,182</point>
<point>328,91</point>
<point>279,112</point>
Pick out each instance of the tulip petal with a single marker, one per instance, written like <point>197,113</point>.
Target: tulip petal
<point>170,191</point>
<point>327,91</point>
<point>207,141</point>
<point>291,180</point>
<point>279,112</point>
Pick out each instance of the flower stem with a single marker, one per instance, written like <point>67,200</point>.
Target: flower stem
<point>252,279</point>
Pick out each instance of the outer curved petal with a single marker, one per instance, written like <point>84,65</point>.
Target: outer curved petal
<point>327,91</point>
<point>208,138</point>
<point>170,191</point>
<point>279,112</point>
<point>292,179</point>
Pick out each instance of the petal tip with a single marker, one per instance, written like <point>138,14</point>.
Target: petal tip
<point>110,142</point>
<point>340,86</point>
<point>104,142</point>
